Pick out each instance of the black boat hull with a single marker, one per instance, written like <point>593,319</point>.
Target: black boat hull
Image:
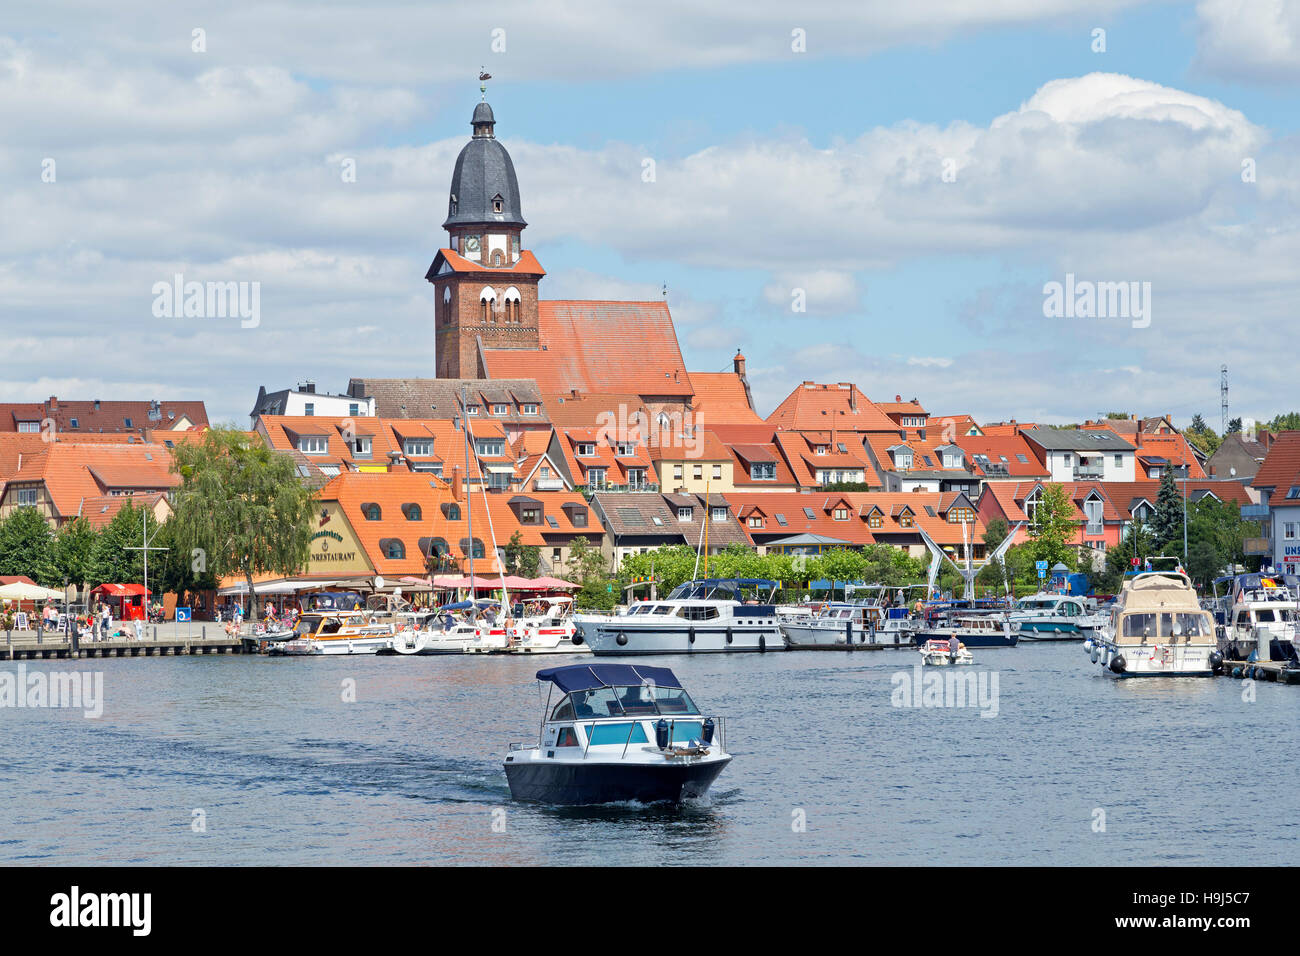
<point>562,782</point>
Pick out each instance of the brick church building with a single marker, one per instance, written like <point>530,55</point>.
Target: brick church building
<point>491,322</point>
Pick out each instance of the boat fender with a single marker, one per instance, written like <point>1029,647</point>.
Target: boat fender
<point>1118,664</point>
<point>1095,653</point>
<point>728,635</point>
<point>661,734</point>
<point>1236,672</point>
<point>374,620</point>
<point>1216,661</point>
<point>621,640</point>
<point>707,732</point>
<point>577,637</point>
<point>762,643</point>
<point>1087,647</point>
<point>690,634</point>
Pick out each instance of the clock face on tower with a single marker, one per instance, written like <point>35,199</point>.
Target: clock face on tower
<point>471,244</point>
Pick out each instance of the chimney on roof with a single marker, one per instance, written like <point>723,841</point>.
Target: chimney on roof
<point>54,404</point>
<point>853,399</point>
<point>455,483</point>
<point>309,387</point>
<point>738,364</point>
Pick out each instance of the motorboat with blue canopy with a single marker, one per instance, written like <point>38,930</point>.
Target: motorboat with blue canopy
<point>619,732</point>
<point>590,676</point>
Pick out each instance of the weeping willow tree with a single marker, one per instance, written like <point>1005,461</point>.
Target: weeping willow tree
<point>241,508</point>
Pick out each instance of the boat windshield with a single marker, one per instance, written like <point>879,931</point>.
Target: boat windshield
<point>307,625</point>
<point>724,590</point>
<point>641,700</point>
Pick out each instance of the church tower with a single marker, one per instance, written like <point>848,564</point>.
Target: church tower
<point>484,281</point>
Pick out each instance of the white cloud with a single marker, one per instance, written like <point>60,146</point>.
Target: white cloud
<point>1251,40</point>
<point>232,171</point>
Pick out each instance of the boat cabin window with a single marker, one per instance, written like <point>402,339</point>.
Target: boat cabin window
<point>1264,615</point>
<point>567,737</point>
<point>1069,610</point>
<point>640,700</point>
<point>662,609</point>
<point>693,612</point>
<point>1140,625</point>
<point>674,700</point>
<point>630,732</point>
<point>331,626</point>
<point>306,625</point>
<point>1183,625</point>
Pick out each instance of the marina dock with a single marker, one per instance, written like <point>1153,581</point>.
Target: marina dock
<point>1278,671</point>
<point>28,647</point>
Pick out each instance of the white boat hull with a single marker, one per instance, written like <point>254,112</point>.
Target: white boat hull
<point>1161,660</point>
<point>802,634</point>
<point>342,647</point>
<point>623,639</point>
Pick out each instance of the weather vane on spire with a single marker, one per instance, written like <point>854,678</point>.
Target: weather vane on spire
<point>483,77</point>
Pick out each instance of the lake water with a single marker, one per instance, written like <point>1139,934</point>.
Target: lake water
<point>826,768</point>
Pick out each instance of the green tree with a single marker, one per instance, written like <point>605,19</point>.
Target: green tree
<point>521,559</point>
<point>1285,423</point>
<point>1053,527</point>
<point>1167,525</point>
<point>73,545</point>
<point>995,532</point>
<point>111,559</point>
<point>585,560</point>
<point>27,547</point>
<point>241,508</point>
<point>1138,542</point>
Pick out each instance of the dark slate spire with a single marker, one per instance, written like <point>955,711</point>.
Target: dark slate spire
<point>484,179</point>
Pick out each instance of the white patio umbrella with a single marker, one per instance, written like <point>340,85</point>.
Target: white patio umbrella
<point>20,591</point>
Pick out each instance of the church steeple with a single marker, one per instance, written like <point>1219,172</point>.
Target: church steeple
<point>486,291</point>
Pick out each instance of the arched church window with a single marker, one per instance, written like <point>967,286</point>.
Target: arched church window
<point>511,297</point>
<point>496,258</point>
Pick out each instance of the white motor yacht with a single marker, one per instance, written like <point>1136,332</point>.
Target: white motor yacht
<point>705,616</point>
<point>843,625</point>
<point>334,633</point>
<point>1055,617</point>
<point>1157,628</point>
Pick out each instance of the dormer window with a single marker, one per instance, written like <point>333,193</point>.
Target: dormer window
<point>905,520</point>
<point>685,513</point>
<point>875,521</point>
<point>841,514</point>
<point>586,449</point>
<point>903,460</point>
<point>756,521</point>
<point>498,204</point>
<point>821,449</point>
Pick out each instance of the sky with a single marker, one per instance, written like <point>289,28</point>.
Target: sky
<point>873,192</point>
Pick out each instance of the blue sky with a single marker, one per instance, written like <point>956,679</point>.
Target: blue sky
<point>777,171</point>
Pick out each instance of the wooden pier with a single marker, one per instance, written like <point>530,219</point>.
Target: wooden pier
<point>54,646</point>
<point>1278,671</point>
